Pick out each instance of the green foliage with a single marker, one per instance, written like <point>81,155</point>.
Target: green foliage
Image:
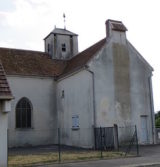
<point>157,119</point>
<point>157,122</point>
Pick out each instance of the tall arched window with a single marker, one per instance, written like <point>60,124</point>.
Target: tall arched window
<point>23,113</point>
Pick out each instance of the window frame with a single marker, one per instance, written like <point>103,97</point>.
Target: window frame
<point>31,110</point>
<point>63,47</point>
<point>48,48</point>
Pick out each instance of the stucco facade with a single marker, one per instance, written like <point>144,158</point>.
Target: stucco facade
<point>122,90</point>
<point>41,93</point>
<point>77,100</point>
<point>109,83</point>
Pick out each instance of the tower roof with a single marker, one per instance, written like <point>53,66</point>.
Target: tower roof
<point>61,31</point>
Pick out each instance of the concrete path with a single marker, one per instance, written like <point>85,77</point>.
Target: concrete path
<point>150,156</point>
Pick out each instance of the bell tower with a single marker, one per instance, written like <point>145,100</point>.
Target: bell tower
<point>61,44</point>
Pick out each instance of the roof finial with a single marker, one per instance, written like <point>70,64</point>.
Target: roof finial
<point>64,16</point>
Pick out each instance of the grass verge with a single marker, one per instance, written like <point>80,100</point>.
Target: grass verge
<point>27,160</point>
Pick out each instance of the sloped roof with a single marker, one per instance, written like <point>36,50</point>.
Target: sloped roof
<point>61,31</point>
<point>5,92</point>
<point>24,62</point>
<point>82,58</point>
<point>33,63</point>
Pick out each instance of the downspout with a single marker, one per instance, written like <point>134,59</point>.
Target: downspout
<point>94,104</point>
<point>152,109</point>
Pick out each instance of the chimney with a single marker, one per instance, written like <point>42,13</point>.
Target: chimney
<point>114,25</point>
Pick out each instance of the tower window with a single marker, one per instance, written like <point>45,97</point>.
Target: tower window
<point>63,47</point>
<point>48,47</point>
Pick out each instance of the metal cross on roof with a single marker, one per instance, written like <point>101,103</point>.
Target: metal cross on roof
<point>64,16</point>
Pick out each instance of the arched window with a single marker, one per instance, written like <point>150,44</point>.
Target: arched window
<point>23,113</point>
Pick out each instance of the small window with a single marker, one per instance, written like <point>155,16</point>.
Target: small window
<point>48,47</point>
<point>75,122</point>
<point>63,47</point>
<point>62,95</point>
<point>23,113</point>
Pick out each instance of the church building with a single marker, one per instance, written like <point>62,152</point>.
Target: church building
<point>108,83</point>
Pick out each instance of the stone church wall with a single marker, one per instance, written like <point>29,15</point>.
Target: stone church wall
<point>141,97</point>
<point>75,109</point>
<point>41,93</point>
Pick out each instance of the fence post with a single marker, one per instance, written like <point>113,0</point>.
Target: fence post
<point>59,146</point>
<point>137,146</point>
<point>115,133</point>
<point>95,145</point>
<point>7,145</point>
<point>101,141</point>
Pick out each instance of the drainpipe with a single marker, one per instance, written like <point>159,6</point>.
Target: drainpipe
<point>152,109</point>
<point>93,87</point>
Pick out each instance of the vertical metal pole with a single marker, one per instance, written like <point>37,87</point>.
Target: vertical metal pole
<point>95,139</point>
<point>59,146</point>
<point>7,145</point>
<point>137,140</point>
<point>101,142</point>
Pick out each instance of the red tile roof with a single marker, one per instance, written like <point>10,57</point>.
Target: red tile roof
<point>34,63</point>
<point>24,62</point>
<point>5,92</point>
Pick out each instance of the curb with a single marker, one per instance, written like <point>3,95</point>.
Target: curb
<point>156,164</point>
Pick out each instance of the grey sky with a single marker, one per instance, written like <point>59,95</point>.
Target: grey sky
<point>24,24</point>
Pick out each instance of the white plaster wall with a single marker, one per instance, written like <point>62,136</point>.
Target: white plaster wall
<point>140,94</point>
<point>3,137</point>
<point>41,92</point>
<point>107,109</point>
<point>102,66</point>
<point>139,72</point>
<point>78,100</point>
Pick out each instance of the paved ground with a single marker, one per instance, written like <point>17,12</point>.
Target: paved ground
<point>149,156</point>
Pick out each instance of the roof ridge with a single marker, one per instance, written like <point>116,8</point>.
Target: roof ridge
<point>23,50</point>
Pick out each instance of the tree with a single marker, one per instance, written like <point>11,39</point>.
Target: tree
<point>157,119</point>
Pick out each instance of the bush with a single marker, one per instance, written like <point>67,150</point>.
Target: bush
<point>157,122</point>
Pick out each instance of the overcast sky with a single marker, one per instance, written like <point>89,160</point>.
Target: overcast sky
<point>25,23</point>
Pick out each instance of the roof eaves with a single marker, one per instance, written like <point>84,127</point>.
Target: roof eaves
<point>52,32</point>
<point>6,97</point>
<point>5,91</point>
<point>76,70</point>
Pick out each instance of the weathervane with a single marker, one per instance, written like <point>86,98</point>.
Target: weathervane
<point>64,16</point>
